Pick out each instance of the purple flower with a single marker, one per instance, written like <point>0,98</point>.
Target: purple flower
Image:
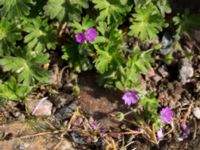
<point>160,134</point>
<point>90,34</point>
<point>166,115</point>
<point>80,38</point>
<point>104,130</point>
<point>94,125</point>
<point>130,97</point>
<point>186,132</point>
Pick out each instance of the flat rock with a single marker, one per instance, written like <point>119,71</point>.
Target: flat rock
<point>42,107</point>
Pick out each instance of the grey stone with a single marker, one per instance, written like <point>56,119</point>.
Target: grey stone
<point>66,112</point>
<point>186,71</point>
<point>166,43</point>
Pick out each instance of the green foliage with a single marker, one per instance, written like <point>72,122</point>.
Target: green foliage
<point>186,22</point>
<point>11,90</point>
<point>147,23</point>
<point>9,34</point>
<point>41,36</point>
<point>103,61</point>
<point>164,7</point>
<point>26,66</point>
<point>86,23</point>
<point>150,110</point>
<point>149,103</point>
<point>15,8</point>
<point>112,11</point>
<point>108,54</point>
<point>77,56</point>
<point>62,10</point>
<point>29,30</point>
<point>139,62</point>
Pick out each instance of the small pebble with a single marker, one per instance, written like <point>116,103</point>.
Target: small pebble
<point>196,112</point>
<point>186,71</point>
<point>166,43</point>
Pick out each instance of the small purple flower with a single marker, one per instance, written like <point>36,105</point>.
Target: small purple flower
<point>104,130</point>
<point>138,130</point>
<point>186,132</point>
<point>130,97</point>
<point>90,34</point>
<point>166,115</point>
<point>80,38</point>
<point>160,134</point>
<point>94,125</point>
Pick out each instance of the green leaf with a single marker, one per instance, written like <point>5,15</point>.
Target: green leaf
<point>143,62</point>
<point>103,60</point>
<point>109,55</point>
<point>86,23</point>
<point>102,26</point>
<point>111,11</point>
<point>7,93</point>
<point>138,63</point>
<point>148,22</point>
<point>10,90</point>
<point>28,67</point>
<point>186,22</point>
<point>65,9</point>
<point>150,103</point>
<point>9,34</point>
<point>41,36</point>
<point>15,8</point>
<point>164,7</point>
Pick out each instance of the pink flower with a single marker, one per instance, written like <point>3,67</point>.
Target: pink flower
<point>90,34</point>
<point>130,97</point>
<point>80,38</point>
<point>166,115</point>
<point>160,134</point>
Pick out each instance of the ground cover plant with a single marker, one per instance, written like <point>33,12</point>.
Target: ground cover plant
<point>146,52</point>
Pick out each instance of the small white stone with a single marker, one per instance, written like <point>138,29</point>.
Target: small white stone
<point>196,112</point>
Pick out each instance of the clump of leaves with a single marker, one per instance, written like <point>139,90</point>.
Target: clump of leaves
<point>28,67</point>
<point>15,8</point>
<point>109,54</point>
<point>41,36</point>
<point>9,34</point>
<point>112,11</point>
<point>65,9</point>
<point>80,27</point>
<point>77,56</point>
<point>147,22</point>
<point>139,62</point>
<point>150,106</point>
<point>117,68</point>
<point>186,22</point>
<point>11,90</point>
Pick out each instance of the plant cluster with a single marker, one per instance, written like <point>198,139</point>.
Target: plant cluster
<point>100,29</point>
